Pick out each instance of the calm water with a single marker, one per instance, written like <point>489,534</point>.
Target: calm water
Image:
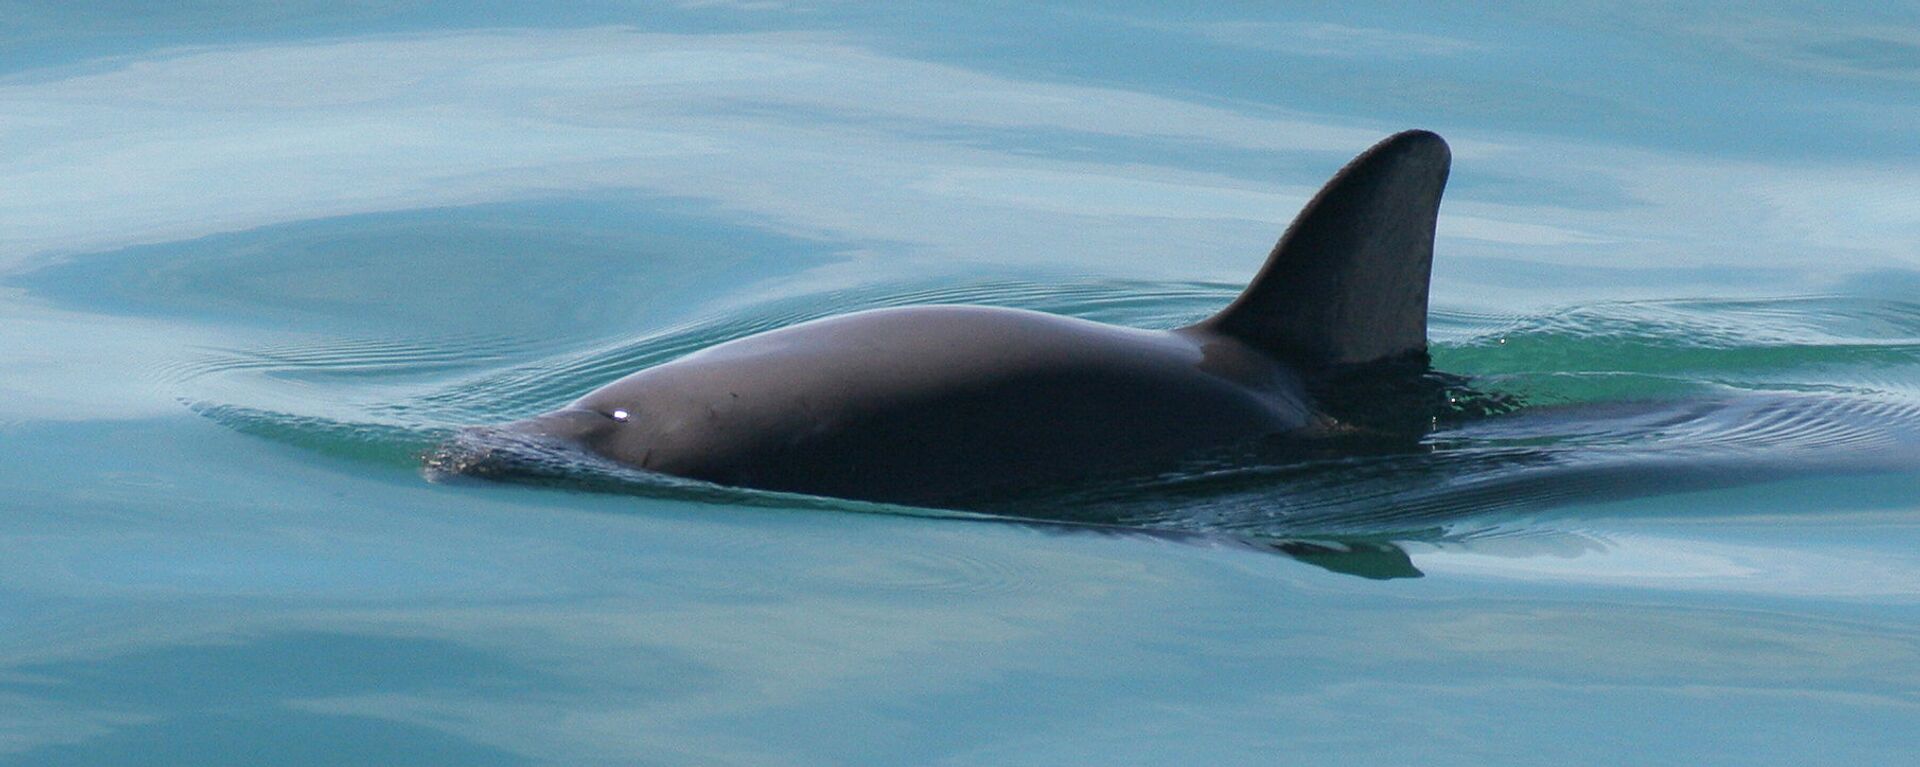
<point>256,258</point>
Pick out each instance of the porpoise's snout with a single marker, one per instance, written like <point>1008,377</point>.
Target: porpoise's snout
<point>531,446</point>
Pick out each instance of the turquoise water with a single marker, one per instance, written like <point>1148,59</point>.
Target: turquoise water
<point>256,259</point>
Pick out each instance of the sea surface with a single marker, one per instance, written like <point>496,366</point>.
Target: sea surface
<point>258,259</point>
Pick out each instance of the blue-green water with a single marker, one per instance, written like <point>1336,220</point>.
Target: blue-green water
<point>256,258</point>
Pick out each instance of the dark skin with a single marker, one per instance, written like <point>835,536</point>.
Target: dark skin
<point>931,405</point>
<point>924,404</point>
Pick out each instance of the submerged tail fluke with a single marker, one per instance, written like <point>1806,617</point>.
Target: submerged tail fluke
<point>1347,283</point>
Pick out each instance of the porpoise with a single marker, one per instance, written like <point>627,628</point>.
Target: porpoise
<point>930,405</point>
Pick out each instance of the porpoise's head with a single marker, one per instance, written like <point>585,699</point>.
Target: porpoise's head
<point>602,424</point>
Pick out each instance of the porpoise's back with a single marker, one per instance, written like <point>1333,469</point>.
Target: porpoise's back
<point>921,404</point>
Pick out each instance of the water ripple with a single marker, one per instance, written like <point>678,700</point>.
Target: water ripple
<point>1627,398</point>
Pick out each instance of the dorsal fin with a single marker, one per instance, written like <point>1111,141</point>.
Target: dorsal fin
<point>1347,283</point>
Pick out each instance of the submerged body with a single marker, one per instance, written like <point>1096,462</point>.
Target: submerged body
<point>936,404</point>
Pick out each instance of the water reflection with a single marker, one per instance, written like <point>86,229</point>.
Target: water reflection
<point>951,161</point>
<point>232,703</point>
<point>250,252</point>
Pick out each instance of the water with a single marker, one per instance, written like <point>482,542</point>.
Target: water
<point>256,259</point>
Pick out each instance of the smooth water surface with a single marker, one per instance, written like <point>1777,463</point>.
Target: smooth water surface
<point>257,259</point>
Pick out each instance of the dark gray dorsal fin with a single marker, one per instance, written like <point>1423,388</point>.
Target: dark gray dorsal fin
<point>1347,283</point>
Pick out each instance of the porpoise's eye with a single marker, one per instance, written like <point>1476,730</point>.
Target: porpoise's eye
<point>618,415</point>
